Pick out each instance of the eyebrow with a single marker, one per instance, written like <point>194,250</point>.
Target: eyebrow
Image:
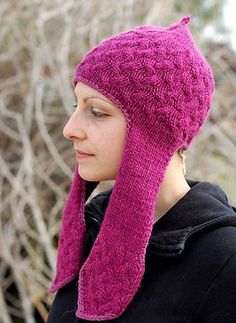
<point>95,97</point>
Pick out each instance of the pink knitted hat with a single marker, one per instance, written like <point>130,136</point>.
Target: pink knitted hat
<point>164,86</point>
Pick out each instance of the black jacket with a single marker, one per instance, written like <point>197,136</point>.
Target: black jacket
<point>190,274</point>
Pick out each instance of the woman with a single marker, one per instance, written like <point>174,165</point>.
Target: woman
<point>156,247</point>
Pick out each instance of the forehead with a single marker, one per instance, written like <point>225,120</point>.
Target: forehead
<point>85,90</point>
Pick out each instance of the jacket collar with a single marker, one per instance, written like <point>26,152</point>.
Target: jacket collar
<point>204,206</point>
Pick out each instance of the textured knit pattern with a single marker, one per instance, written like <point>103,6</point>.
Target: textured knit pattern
<point>163,85</point>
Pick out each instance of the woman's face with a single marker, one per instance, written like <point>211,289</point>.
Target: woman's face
<point>98,127</point>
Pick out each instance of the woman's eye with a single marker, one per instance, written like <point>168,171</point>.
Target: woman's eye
<point>95,113</point>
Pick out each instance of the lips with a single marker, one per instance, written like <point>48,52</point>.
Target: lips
<point>79,152</point>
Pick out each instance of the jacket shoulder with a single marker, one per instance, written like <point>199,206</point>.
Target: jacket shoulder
<point>217,243</point>
<point>218,302</point>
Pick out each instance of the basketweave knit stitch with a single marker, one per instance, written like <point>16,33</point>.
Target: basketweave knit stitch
<point>163,84</point>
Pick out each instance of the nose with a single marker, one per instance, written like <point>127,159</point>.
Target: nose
<point>72,129</point>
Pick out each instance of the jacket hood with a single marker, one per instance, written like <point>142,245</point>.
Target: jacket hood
<point>205,206</point>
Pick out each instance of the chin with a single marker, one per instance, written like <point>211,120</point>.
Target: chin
<point>91,178</point>
<point>95,176</point>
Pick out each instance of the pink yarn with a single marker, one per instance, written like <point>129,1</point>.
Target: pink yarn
<point>163,84</point>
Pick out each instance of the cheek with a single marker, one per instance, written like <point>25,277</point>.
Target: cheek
<point>110,140</point>
<point>112,143</point>
<point>117,143</point>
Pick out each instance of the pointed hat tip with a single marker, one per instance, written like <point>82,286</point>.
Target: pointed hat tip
<point>185,20</point>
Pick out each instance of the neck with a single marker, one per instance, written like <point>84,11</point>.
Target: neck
<point>170,194</point>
